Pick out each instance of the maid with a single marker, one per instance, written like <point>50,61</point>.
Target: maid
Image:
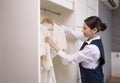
<point>90,57</point>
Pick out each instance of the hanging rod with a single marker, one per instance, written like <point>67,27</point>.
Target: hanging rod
<point>50,11</point>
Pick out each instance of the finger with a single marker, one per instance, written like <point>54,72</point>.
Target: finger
<point>46,39</point>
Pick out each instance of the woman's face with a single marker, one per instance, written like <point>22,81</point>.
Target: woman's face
<point>88,32</point>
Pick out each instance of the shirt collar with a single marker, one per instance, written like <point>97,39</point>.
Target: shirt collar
<point>95,38</point>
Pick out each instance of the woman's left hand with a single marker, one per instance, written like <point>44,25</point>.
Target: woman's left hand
<point>51,43</point>
<point>49,40</point>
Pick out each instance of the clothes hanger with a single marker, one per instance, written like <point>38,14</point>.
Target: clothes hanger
<point>46,20</point>
<point>49,21</point>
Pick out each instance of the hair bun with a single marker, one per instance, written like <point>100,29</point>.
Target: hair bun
<point>103,27</point>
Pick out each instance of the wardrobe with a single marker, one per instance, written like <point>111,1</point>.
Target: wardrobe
<point>20,37</point>
<point>63,12</point>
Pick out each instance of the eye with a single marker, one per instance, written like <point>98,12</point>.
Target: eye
<point>84,28</point>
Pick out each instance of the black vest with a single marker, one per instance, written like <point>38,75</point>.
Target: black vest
<point>93,75</point>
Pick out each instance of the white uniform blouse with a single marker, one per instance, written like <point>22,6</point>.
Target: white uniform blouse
<point>88,56</point>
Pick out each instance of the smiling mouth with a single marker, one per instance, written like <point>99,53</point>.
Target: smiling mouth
<point>84,33</point>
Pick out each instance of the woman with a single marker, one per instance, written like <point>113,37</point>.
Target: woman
<point>90,57</point>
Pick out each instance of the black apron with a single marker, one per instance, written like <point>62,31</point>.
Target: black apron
<point>93,75</point>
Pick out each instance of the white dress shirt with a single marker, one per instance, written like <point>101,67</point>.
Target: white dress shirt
<point>88,56</point>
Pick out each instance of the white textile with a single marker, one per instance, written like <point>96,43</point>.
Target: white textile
<point>47,54</point>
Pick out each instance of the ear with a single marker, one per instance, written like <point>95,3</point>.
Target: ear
<point>94,30</point>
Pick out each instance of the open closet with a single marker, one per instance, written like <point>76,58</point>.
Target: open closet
<point>60,12</point>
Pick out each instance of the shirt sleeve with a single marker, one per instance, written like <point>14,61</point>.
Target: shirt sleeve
<point>90,52</point>
<point>74,33</point>
<point>61,44</point>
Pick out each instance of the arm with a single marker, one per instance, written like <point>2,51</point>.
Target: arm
<point>58,50</point>
<point>90,53</point>
<point>76,34</point>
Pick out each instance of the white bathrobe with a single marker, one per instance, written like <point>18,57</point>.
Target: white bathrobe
<point>47,53</point>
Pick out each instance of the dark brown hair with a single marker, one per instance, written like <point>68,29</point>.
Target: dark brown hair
<point>95,22</point>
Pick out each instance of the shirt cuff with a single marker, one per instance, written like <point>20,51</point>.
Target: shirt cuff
<point>66,57</point>
<point>61,53</point>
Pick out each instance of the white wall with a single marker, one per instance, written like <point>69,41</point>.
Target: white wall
<point>18,26</point>
<point>105,15</point>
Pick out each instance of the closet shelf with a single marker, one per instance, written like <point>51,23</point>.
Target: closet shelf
<point>54,12</point>
<point>63,3</point>
<point>58,5</point>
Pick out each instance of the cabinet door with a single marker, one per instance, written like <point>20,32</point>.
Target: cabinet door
<point>81,12</point>
<point>91,12</point>
<point>92,7</point>
<point>92,3</point>
<point>19,23</point>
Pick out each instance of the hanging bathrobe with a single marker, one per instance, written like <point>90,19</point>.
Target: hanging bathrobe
<point>46,53</point>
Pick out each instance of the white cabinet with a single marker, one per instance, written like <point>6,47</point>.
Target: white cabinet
<point>92,3</point>
<point>84,9</point>
<point>19,25</point>
<point>64,3</point>
<point>58,5</point>
<point>21,37</point>
<point>81,12</point>
<point>67,18</point>
<point>92,7</point>
<point>91,12</point>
